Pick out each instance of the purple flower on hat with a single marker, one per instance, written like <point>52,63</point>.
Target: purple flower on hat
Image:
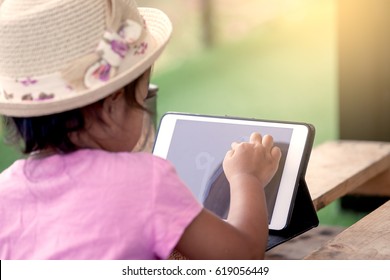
<point>119,47</point>
<point>28,82</point>
<point>141,48</point>
<point>27,97</point>
<point>8,95</point>
<point>102,72</point>
<point>44,96</point>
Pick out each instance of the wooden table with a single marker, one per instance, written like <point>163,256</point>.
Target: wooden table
<point>337,168</point>
<point>368,239</point>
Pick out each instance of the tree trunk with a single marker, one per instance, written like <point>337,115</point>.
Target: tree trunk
<point>207,7</point>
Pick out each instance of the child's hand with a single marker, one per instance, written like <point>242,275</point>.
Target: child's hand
<point>258,158</point>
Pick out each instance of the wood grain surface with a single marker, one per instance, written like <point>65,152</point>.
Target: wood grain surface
<point>340,167</point>
<point>368,239</point>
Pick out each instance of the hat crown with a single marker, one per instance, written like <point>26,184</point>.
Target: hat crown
<point>39,37</point>
<point>44,35</point>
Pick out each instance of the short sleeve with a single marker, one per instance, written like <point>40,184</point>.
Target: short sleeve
<point>175,207</point>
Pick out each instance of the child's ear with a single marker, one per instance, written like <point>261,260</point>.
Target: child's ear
<point>112,99</point>
<point>117,95</point>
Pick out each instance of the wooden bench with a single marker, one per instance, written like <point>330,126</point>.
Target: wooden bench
<point>337,168</point>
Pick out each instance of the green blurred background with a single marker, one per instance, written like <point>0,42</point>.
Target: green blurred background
<point>266,59</point>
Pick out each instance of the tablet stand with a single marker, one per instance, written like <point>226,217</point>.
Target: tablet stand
<point>303,218</point>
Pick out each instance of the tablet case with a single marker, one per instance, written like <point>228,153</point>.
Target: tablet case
<point>303,214</point>
<point>303,218</point>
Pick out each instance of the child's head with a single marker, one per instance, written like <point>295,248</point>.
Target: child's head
<point>63,61</point>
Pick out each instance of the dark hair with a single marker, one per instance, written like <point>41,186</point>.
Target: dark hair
<point>51,131</point>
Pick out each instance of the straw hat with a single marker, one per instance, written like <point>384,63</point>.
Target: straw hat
<point>57,55</point>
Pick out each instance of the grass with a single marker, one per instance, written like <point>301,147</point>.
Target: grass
<point>8,154</point>
<point>275,73</point>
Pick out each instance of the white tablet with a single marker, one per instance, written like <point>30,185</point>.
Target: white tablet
<point>196,145</point>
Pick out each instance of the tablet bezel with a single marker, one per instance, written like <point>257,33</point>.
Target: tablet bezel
<point>293,168</point>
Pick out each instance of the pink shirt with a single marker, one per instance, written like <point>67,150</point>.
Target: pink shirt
<point>93,204</point>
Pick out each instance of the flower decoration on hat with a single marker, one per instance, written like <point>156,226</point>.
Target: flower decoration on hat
<point>112,49</point>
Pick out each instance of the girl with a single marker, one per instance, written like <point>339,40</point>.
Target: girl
<point>74,76</point>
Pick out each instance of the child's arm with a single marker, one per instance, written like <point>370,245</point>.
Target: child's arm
<point>249,167</point>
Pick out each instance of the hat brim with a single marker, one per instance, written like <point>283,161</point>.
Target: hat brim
<point>160,29</point>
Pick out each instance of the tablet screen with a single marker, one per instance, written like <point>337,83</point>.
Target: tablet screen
<point>197,147</point>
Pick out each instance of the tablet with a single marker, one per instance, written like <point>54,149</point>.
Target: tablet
<point>196,145</point>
